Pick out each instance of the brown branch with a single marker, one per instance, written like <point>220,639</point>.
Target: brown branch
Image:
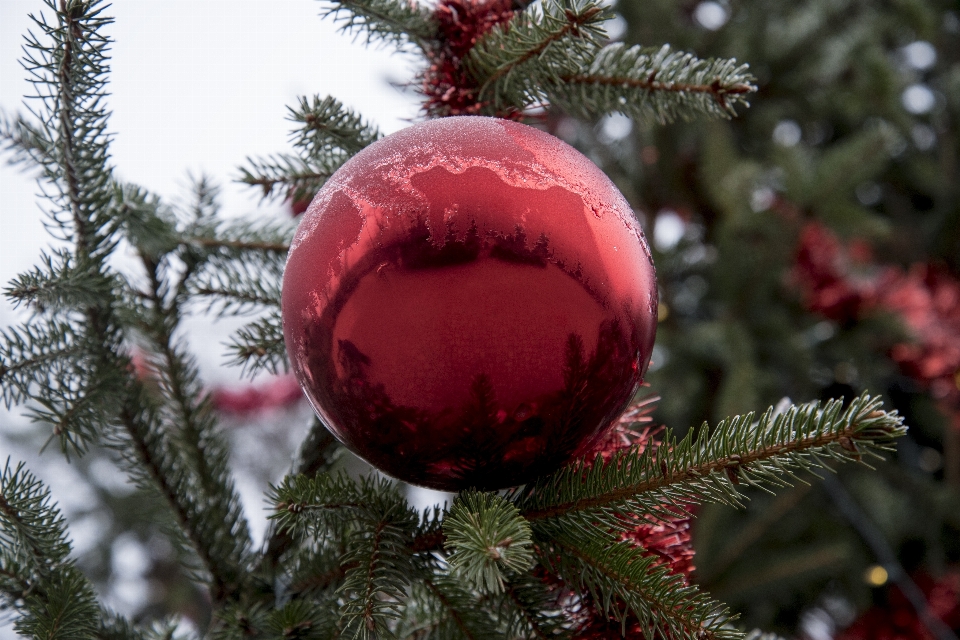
<point>715,89</point>
<point>66,130</point>
<point>279,247</point>
<point>236,296</point>
<point>722,465</point>
<point>427,542</point>
<point>269,184</point>
<point>220,589</point>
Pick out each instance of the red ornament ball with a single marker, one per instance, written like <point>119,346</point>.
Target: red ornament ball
<point>469,302</point>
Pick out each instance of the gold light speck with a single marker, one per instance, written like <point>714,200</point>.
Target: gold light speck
<point>876,576</point>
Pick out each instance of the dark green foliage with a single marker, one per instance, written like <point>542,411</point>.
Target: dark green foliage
<point>529,608</point>
<point>37,580</point>
<point>287,176</point>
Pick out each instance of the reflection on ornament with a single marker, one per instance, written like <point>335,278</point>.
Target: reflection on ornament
<point>469,302</point>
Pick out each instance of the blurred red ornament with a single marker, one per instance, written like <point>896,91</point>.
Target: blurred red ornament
<point>276,394</point>
<point>469,302</point>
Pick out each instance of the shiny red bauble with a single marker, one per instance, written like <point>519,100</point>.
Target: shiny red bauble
<point>469,302</point>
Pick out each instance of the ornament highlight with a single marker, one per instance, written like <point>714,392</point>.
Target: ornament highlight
<point>469,302</point>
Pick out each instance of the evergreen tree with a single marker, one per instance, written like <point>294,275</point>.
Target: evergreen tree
<point>768,295</point>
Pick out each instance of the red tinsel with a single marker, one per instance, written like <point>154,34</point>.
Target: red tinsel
<point>836,281</point>
<point>667,539</point>
<point>448,89</point>
<point>899,621</point>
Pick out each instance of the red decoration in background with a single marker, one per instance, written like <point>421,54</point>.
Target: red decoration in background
<point>299,206</point>
<point>827,278</point>
<point>926,300</point>
<point>278,393</point>
<point>448,89</point>
<point>469,302</point>
<point>899,621</point>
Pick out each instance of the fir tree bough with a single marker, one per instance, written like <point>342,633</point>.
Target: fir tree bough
<point>344,557</point>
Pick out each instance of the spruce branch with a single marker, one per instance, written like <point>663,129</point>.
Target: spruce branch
<point>530,609</point>
<point>26,142</point>
<point>709,465</point>
<point>240,245</point>
<point>30,353</point>
<point>60,284</point>
<point>487,536</point>
<point>53,365</point>
<point>241,620</point>
<point>155,464</point>
<point>289,177</point>
<point>322,504</point>
<point>400,23</point>
<point>70,77</point>
<point>316,455</point>
<point>378,525</point>
<point>214,238</point>
<point>514,60</point>
<point>65,607</point>
<point>238,286</point>
<point>37,579</point>
<point>115,627</point>
<point>440,607</point>
<point>375,586</point>
<point>259,345</point>
<point>328,135</point>
<point>624,584</point>
<point>327,127</point>
<point>68,65</point>
<point>652,83</point>
<point>236,268</point>
<point>32,530</point>
<point>192,428</point>
<point>302,619</point>
<point>318,570</point>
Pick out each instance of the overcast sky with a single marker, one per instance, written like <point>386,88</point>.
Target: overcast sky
<point>197,86</point>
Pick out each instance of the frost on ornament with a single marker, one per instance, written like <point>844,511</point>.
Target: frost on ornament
<point>469,303</point>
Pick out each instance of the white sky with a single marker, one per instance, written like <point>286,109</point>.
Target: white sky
<point>197,85</point>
